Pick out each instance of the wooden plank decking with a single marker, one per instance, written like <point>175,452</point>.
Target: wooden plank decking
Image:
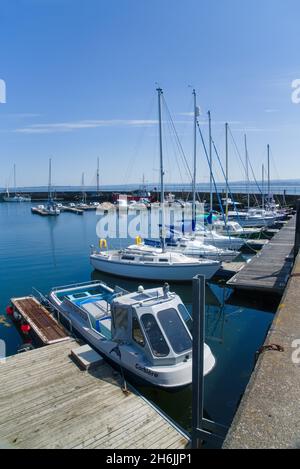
<point>46,401</point>
<point>40,320</point>
<point>269,270</point>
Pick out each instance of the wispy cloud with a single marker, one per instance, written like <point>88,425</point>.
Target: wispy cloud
<point>269,111</point>
<point>185,114</point>
<point>83,124</point>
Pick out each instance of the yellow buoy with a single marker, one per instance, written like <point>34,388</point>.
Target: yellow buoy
<point>102,243</point>
<point>138,240</point>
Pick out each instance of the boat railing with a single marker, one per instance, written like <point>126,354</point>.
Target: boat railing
<point>75,285</point>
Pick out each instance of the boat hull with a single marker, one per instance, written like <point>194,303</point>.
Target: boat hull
<point>183,272</point>
<point>170,378</point>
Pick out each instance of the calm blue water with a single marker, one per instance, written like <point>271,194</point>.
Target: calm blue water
<point>44,252</point>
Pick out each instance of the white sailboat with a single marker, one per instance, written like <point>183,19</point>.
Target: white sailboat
<point>16,197</point>
<point>51,207</point>
<point>204,240</point>
<point>256,216</point>
<point>157,263</point>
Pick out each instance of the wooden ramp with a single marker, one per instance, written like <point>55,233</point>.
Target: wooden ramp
<point>47,329</point>
<point>46,401</point>
<point>269,270</point>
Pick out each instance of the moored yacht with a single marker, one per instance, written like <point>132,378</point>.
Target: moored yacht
<point>152,264</point>
<point>193,248</point>
<point>233,228</point>
<point>147,333</point>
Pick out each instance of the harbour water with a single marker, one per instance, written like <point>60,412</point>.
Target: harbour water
<point>43,252</point>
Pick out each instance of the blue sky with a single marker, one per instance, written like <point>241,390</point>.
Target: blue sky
<point>81,76</point>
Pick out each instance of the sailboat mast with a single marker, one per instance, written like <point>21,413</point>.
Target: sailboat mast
<point>210,162</point>
<point>83,189</point>
<point>49,181</point>
<point>15,179</point>
<point>263,187</point>
<point>98,185</point>
<point>162,189</point>
<point>195,161</point>
<point>269,181</point>
<point>226,168</point>
<point>247,172</point>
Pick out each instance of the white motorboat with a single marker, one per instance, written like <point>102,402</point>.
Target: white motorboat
<point>147,333</point>
<point>233,228</point>
<point>211,237</point>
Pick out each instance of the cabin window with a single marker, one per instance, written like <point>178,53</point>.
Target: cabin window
<point>128,258</point>
<point>157,341</point>
<point>175,331</point>
<point>163,260</point>
<point>184,313</point>
<point>137,333</point>
<point>120,318</point>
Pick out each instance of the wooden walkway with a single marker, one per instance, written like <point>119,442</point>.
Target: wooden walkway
<point>269,270</point>
<point>46,328</point>
<point>46,401</point>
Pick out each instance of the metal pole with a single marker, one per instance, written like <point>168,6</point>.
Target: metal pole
<point>198,357</point>
<point>269,182</point>
<point>195,161</point>
<point>210,161</point>
<point>263,187</point>
<point>15,179</point>
<point>247,172</point>
<point>226,148</point>
<point>97,176</point>
<point>162,189</point>
<point>50,182</point>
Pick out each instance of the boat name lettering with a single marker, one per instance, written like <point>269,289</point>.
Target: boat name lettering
<point>146,370</point>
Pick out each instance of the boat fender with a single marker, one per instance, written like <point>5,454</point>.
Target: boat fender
<point>138,240</point>
<point>17,316</point>
<point>25,328</point>
<point>102,243</point>
<point>9,310</point>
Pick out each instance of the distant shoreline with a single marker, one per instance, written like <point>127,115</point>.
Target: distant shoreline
<point>291,186</point>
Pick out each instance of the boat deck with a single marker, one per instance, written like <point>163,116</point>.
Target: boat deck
<point>269,270</point>
<point>40,320</point>
<point>47,401</point>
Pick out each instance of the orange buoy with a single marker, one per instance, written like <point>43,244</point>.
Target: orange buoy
<point>9,310</point>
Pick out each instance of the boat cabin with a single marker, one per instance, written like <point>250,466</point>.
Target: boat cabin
<point>154,323</point>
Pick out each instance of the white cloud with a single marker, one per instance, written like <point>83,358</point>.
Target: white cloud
<point>83,124</point>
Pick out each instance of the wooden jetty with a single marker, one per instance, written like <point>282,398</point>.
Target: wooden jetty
<point>269,270</point>
<point>44,326</point>
<point>228,269</point>
<point>39,211</point>
<point>76,210</point>
<point>255,244</point>
<point>47,401</point>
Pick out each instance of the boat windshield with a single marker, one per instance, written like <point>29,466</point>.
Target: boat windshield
<point>156,339</point>
<point>184,313</point>
<point>175,331</point>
